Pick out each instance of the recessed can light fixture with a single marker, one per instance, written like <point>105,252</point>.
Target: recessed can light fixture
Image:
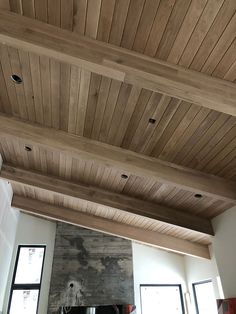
<point>152,121</point>
<point>28,148</point>
<point>198,195</point>
<point>16,79</point>
<point>124,176</point>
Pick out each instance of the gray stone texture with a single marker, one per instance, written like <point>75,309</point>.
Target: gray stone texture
<point>90,268</point>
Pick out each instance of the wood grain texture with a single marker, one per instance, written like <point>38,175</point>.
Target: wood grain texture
<point>119,215</point>
<point>197,34</point>
<point>117,63</point>
<point>118,229</point>
<point>115,157</point>
<point>218,54</point>
<point>103,197</point>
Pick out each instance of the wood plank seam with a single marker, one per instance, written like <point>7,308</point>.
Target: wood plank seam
<point>99,196</point>
<point>111,227</point>
<point>110,156</point>
<point>117,63</point>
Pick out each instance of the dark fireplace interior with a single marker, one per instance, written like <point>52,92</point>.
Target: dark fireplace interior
<point>106,309</point>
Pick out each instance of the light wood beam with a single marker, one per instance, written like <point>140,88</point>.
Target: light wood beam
<point>111,156</point>
<point>117,63</point>
<point>98,196</point>
<point>4,5</point>
<point>111,227</point>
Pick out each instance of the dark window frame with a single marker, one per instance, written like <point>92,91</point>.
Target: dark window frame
<point>26,286</point>
<point>165,285</point>
<point>195,294</point>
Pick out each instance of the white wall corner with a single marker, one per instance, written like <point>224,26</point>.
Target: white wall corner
<point>224,250</point>
<point>6,186</point>
<point>8,227</point>
<point>8,191</point>
<point>34,230</point>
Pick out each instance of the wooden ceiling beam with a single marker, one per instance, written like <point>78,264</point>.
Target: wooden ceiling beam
<point>74,217</point>
<point>117,63</point>
<point>102,197</point>
<point>111,156</point>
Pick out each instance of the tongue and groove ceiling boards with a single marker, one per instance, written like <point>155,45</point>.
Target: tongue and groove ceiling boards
<point>100,136</point>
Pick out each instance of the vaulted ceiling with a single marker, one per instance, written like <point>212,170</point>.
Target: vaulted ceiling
<point>159,138</point>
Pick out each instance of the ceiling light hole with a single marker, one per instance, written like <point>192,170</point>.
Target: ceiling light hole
<point>198,195</point>
<point>28,148</point>
<point>124,176</point>
<point>152,121</point>
<point>16,79</point>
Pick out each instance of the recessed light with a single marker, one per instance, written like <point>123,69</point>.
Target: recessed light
<point>124,176</point>
<point>152,121</point>
<point>16,79</point>
<point>28,148</point>
<point>198,195</point>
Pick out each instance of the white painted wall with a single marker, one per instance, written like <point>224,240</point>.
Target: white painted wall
<point>221,269</point>
<point>8,225</point>
<point>33,230</point>
<point>153,266</point>
<point>224,249</point>
<point>198,270</point>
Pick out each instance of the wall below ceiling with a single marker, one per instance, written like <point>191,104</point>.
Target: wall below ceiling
<point>8,223</point>
<point>198,270</point>
<point>153,266</point>
<point>33,230</point>
<point>150,265</point>
<point>224,248</point>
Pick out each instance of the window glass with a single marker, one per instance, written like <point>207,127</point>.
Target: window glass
<point>26,283</point>
<point>205,300</point>
<point>24,301</point>
<point>164,299</point>
<point>29,265</point>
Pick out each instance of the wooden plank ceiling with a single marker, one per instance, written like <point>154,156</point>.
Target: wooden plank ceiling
<point>196,34</point>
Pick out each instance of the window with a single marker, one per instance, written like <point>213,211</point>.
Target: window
<point>163,299</point>
<point>26,281</point>
<point>204,296</point>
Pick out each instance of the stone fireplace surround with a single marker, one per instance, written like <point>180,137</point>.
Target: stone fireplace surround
<point>90,268</point>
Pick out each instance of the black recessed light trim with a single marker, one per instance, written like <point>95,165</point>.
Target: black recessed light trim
<point>16,79</point>
<point>198,195</point>
<point>28,148</point>
<point>152,121</point>
<point>124,176</point>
